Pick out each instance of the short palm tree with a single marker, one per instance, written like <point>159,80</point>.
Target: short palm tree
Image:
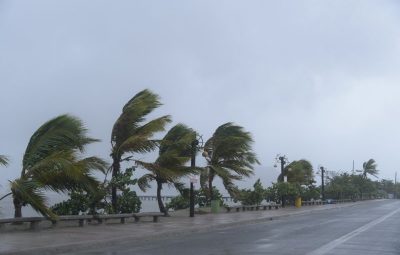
<point>175,151</point>
<point>369,168</point>
<point>132,134</point>
<point>52,162</point>
<point>3,160</point>
<point>230,156</point>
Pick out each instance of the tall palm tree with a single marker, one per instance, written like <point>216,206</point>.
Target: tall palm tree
<point>52,162</point>
<point>131,134</point>
<point>230,156</point>
<point>3,160</point>
<point>175,151</point>
<point>369,168</point>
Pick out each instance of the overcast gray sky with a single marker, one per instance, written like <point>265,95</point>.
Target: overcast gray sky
<point>310,79</point>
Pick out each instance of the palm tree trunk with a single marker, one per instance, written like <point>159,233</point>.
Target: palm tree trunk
<point>210,187</point>
<point>17,208</point>
<point>159,199</point>
<point>115,170</point>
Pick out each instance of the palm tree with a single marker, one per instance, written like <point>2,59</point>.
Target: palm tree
<point>3,160</point>
<point>174,153</point>
<point>369,168</point>
<point>52,162</point>
<point>230,156</point>
<point>131,134</point>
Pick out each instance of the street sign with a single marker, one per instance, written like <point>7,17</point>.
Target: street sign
<point>193,180</point>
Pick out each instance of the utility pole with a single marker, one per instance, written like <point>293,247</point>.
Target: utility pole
<point>322,183</point>
<point>193,166</point>
<point>395,182</point>
<point>283,162</point>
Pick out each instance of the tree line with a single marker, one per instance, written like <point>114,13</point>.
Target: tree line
<point>54,161</point>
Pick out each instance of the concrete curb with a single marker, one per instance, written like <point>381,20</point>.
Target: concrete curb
<point>77,246</point>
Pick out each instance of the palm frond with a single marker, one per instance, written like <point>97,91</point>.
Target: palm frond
<point>143,182</point>
<point>63,172</point>
<point>137,144</point>
<point>29,192</point>
<point>231,154</point>
<point>369,168</point>
<point>62,133</point>
<point>133,115</point>
<point>174,153</point>
<point>3,160</point>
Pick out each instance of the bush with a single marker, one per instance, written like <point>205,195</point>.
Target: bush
<point>95,201</point>
<point>253,197</point>
<point>178,203</point>
<point>128,202</point>
<point>183,201</point>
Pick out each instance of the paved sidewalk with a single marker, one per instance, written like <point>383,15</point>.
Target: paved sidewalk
<point>69,239</point>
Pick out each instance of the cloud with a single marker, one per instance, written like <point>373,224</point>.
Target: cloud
<point>309,79</point>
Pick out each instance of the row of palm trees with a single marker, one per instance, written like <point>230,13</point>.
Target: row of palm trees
<point>53,159</point>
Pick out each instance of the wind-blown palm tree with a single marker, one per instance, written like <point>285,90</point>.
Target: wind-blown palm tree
<point>3,160</point>
<point>131,134</point>
<point>174,153</point>
<point>369,168</point>
<point>230,156</point>
<point>52,162</point>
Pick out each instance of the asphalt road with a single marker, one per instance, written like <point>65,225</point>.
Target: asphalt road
<point>361,229</point>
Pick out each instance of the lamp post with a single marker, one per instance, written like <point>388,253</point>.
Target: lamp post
<point>322,183</point>
<point>282,160</point>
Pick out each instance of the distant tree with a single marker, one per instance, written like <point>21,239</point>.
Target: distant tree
<point>230,156</point>
<point>300,172</point>
<point>52,161</point>
<point>132,134</point>
<point>283,189</point>
<point>175,151</point>
<point>369,168</point>
<point>253,197</point>
<point>387,186</point>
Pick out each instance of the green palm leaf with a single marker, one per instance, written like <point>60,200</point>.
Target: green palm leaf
<point>3,160</point>
<point>369,168</point>
<point>30,193</point>
<point>230,156</point>
<point>62,133</point>
<point>52,162</point>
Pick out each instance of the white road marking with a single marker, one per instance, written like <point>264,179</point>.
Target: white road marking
<point>331,245</point>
